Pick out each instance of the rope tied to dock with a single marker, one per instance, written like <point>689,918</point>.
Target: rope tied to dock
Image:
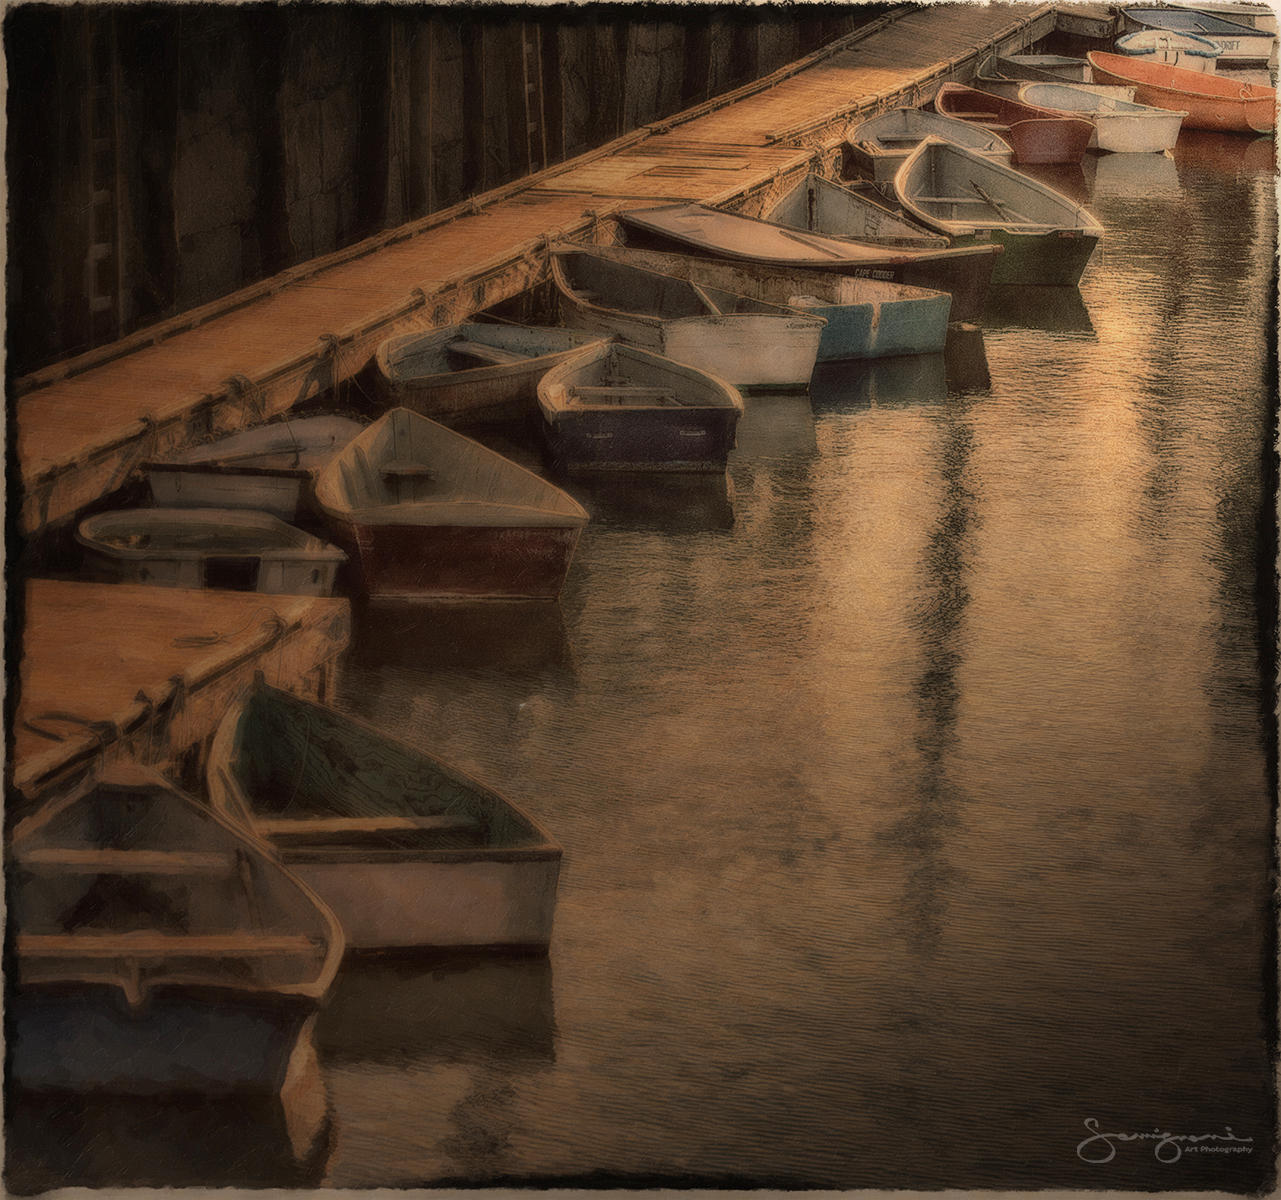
<point>142,449</point>
<point>250,396</point>
<point>104,730</point>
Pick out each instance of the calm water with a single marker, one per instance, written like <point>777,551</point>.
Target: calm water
<point>914,786</point>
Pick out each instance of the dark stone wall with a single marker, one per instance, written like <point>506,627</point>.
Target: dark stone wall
<point>241,140</point>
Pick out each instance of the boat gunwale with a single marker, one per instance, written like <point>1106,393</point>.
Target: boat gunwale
<point>1140,110</point>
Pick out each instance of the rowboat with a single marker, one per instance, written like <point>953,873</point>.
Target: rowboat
<point>964,271</point>
<point>406,850</point>
<point>877,147</point>
<point>1210,101</point>
<point>471,374</point>
<point>866,318</point>
<point>746,342</point>
<point>1006,77</point>
<point>1238,44</point>
<point>1048,238</point>
<point>1119,126</point>
<point>160,950</point>
<point>270,468</point>
<point>1184,50</point>
<point>1244,12</point>
<point>818,205</point>
<point>208,547</point>
<point>427,512</point>
<point>1038,135</point>
<point>1069,70</point>
<point>619,408</point>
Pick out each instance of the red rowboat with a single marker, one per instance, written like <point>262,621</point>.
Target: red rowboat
<point>1038,135</point>
<point>1211,101</point>
<point>426,512</point>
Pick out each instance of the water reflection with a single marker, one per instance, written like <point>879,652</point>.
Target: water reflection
<point>669,502</point>
<point>508,636</point>
<point>406,1011</point>
<point>1202,150</point>
<point>881,382</point>
<point>1140,177</point>
<point>965,359</point>
<point>776,426</point>
<point>1054,309</point>
<point>186,1140</point>
<point>1069,179</point>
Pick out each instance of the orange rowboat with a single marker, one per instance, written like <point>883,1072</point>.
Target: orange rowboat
<point>1211,101</point>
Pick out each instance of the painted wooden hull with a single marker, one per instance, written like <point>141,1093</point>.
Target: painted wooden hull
<point>683,420</point>
<point>1119,127</point>
<point>442,562</point>
<point>208,547</point>
<point>772,348</point>
<point>1037,135</point>
<point>877,147</point>
<point>1000,78</point>
<point>1071,70</point>
<point>1173,49</point>
<point>1048,238</point>
<point>964,272</point>
<point>1238,44</point>
<point>268,469</point>
<point>1210,101</point>
<point>279,755</point>
<point>866,318</point>
<point>424,511</point>
<point>480,395</point>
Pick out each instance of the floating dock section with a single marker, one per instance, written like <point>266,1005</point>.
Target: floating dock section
<point>83,425</point>
<point>121,671</point>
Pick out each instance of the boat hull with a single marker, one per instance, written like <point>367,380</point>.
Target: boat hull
<point>1120,133</point>
<point>285,495</point>
<point>889,330</point>
<point>1054,259</point>
<point>663,440</point>
<point>505,899</point>
<point>454,562</point>
<point>1037,135</point>
<point>1251,110</point>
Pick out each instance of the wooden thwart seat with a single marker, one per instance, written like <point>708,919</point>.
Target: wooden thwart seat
<point>158,945</point>
<point>337,828</point>
<point>494,355</point>
<point>125,862</point>
<point>624,393</point>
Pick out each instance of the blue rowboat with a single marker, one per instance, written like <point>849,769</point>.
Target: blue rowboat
<point>1238,44</point>
<point>1185,50</point>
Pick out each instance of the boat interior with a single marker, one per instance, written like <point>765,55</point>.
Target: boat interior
<point>620,378</point>
<point>821,206</point>
<point>308,778</point>
<point>599,281</point>
<point>194,532</point>
<point>409,470</point>
<point>131,884</point>
<point>474,345</point>
<point>305,443</point>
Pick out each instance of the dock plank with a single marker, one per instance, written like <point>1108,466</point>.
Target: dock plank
<point>146,672</point>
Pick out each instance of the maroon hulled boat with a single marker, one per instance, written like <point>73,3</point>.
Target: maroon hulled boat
<point>1038,135</point>
<point>424,511</point>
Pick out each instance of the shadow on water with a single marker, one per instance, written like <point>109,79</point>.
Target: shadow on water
<point>509,636</point>
<point>887,382</point>
<point>1069,179</point>
<point>666,502</point>
<point>75,1140</point>
<point>404,1011</point>
<point>1024,306</point>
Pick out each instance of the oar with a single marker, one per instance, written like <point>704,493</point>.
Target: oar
<point>996,204</point>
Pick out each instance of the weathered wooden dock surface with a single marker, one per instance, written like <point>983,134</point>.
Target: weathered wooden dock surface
<point>146,673</point>
<point>84,424</point>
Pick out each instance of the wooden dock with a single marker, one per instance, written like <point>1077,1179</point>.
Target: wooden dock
<point>84,424</point>
<point>117,671</point>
